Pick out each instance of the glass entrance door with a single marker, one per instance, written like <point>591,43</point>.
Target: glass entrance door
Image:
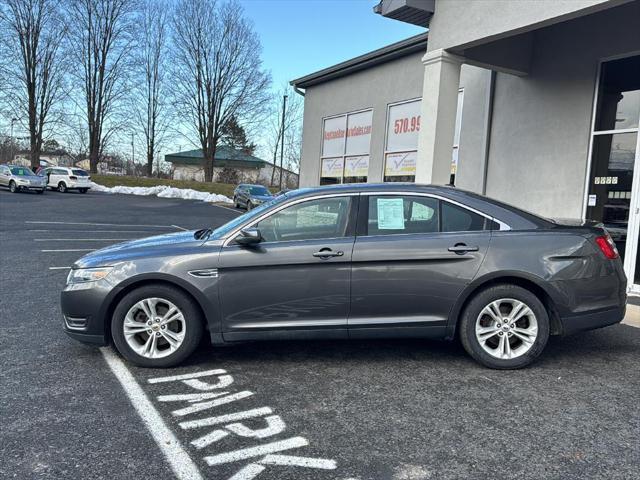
<point>614,183</point>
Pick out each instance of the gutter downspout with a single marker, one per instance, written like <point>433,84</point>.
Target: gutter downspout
<point>488,122</point>
<point>297,90</point>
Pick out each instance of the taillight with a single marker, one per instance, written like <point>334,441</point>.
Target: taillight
<point>605,242</point>
<point>73,177</point>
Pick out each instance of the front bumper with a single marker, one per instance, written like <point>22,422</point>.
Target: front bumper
<point>31,187</point>
<point>83,310</point>
<point>592,320</point>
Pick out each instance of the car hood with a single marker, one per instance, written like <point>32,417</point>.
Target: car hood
<point>159,245</point>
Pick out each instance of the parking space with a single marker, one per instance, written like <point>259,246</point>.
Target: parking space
<point>366,410</point>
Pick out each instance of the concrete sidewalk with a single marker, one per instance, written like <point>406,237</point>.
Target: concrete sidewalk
<point>633,316</point>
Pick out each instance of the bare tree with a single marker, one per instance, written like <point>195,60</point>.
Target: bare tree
<point>34,73</point>
<point>150,102</point>
<point>100,40</point>
<point>218,74</point>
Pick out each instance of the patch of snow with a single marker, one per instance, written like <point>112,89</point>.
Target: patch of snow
<point>164,191</point>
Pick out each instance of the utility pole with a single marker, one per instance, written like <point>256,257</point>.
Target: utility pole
<point>13,120</point>
<point>284,107</point>
<point>133,153</point>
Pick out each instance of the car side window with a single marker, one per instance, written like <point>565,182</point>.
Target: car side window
<point>458,219</point>
<point>390,214</point>
<point>314,219</point>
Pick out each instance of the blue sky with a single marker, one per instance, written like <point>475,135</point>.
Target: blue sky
<point>302,36</point>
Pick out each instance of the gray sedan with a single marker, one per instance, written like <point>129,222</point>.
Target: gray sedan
<point>20,178</point>
<point>353,261</point>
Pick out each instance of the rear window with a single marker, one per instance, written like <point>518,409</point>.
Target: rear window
<point>79,173</point>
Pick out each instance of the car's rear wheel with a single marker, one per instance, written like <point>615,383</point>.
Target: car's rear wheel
<point>40,191</point>
<point>13,188</point>
<point>504,327</point>
<point>62,187</point>
<point>156,326</point>
<point>83,190</point>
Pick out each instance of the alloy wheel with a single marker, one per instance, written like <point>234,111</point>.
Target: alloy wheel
<point>506,328</point>
<point>154,328</point>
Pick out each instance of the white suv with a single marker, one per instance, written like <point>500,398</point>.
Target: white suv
<point>63,179</point>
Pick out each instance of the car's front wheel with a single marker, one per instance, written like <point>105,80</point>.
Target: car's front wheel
<point>62,187</point>
<point>504,327</point>
<point>13,188</point>
<point>156,326</point>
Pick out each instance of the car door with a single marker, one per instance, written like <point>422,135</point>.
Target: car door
<point>413,256</point>
<point>295,282</point>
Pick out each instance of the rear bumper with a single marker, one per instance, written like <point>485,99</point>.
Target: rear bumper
<point>592,320</point>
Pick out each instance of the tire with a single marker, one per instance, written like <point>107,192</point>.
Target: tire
<point>13,188</point>
<point>493,352</point>
<point>191,327</point>
<point>249,206</point>
<point>62,187</point>
<point>83,190</point>
<point>235,203</point>
<point>40,192</point>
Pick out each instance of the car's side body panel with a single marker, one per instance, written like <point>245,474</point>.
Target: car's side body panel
<point>410,280</point>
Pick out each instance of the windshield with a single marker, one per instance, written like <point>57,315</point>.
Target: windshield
<point>245,217</point>
<point>258,190</point>
<point>79,173</point>
<point>21,171</point>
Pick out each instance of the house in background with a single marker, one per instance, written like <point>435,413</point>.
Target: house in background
<point>247,168</point>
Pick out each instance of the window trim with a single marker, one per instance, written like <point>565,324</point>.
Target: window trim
<point>359,230</point>
<point>354,197</point>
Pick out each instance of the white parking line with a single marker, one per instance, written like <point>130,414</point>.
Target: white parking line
<point>181,463</point>
<point>59,268</point>
<point>228,208</point>
<point>100,224</point>
<point>71,250</point>
<point>180,228</point>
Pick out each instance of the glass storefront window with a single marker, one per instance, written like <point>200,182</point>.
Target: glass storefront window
<point>403,128</point>
<point>619,95</point>
<point>346,141</point>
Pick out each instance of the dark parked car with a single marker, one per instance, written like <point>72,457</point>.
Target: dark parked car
<point>352,261</point>
<point>250,196</point>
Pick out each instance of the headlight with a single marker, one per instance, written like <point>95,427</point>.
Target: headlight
<point>82,275</point>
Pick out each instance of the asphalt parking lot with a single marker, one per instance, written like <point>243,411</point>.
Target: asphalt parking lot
<point>365,410</point>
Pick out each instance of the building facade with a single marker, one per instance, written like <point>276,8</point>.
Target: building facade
<point>536,103</point>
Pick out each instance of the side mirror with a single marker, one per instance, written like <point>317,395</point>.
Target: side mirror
<point>249,236</point>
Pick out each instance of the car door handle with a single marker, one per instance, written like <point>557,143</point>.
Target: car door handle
<point>461,248</point>
<point>326,253</point>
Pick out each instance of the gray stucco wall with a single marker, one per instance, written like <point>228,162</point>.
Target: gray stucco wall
<point>464,23</point>
<point>541,123</point>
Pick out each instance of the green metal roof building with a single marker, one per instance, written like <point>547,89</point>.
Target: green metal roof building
<point>225,157</point>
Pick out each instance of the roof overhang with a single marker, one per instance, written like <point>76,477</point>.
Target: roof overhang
<point>417,43</point>
<point>416,12</point>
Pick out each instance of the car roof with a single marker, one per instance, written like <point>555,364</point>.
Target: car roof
<point>510,215</point>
